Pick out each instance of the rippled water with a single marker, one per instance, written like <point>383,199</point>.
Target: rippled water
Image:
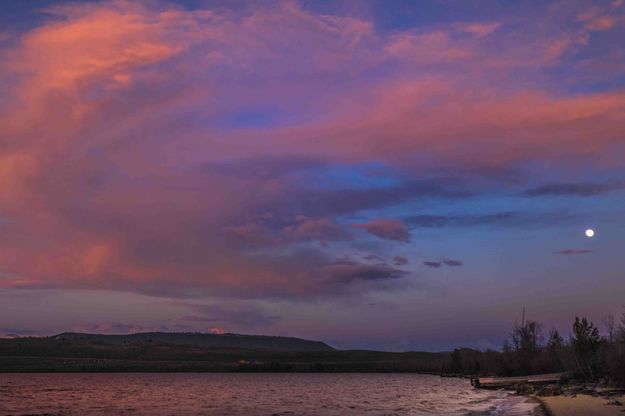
<point>250,394</point>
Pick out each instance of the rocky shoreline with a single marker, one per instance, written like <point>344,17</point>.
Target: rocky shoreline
<point>582,399</point>
<point>573,398</point>
<point>560,395</point>
<point>581,405</point>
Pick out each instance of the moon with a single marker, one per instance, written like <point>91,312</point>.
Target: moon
<point>590,233</point>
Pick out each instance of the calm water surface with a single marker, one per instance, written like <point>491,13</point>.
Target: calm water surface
<point>250,394</point>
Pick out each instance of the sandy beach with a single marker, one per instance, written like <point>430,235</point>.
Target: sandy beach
<point>581,405</point>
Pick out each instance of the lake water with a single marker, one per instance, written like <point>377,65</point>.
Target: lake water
<point>251,394</point>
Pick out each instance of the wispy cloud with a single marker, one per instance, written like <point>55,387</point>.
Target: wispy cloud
<point>452,262</point>
<point>505,218</point>
<point>400,261</point>
<point>230,315</point>
<point>387,229</point>
<point>118,328</point>
<point>445,261</point>
<point>348,271</point>
<point>575,189</point>
<point>573,251</point>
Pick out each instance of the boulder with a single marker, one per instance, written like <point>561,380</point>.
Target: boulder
<point>549,390</point>
<point>525,389</point>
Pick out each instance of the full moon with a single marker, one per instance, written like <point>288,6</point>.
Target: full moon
<point>590,232</point>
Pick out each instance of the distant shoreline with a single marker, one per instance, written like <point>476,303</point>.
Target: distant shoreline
<point>180,352</point>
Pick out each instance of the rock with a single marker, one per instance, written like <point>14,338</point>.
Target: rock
<point>525,389</point>
<point>575,390</point>
<point>549,390</point>
<point>615,403</point>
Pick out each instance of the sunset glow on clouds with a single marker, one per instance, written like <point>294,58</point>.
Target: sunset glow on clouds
<point>290,167</point>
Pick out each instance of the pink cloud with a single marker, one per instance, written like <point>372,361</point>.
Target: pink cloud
<point>387,229</point>
<point>482,29</point>
<point>602,18</point>
<point>400,261</point>
<point>111,117</point>
<point>114,328</point>
<point>320,229</point>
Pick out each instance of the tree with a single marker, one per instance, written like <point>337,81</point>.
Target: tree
<point>456,362</point>
<point>585,344</point>
<point>555,349</point>
<point>621,328</point>
<point>527,340</point>
<point>610,326</point>
<point>615,354</point>
<point>528,337</point>
<point>556,342</point>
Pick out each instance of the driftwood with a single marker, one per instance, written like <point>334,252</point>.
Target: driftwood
<point>513,382</point>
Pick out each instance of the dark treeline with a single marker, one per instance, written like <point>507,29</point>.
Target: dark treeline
<point>86,353</point>
<point>530,349</point>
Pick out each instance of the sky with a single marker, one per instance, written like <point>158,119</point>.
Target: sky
<point>394,175</point>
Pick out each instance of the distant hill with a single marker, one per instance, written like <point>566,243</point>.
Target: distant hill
<point>220,341</point>
<point>166,352</point>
